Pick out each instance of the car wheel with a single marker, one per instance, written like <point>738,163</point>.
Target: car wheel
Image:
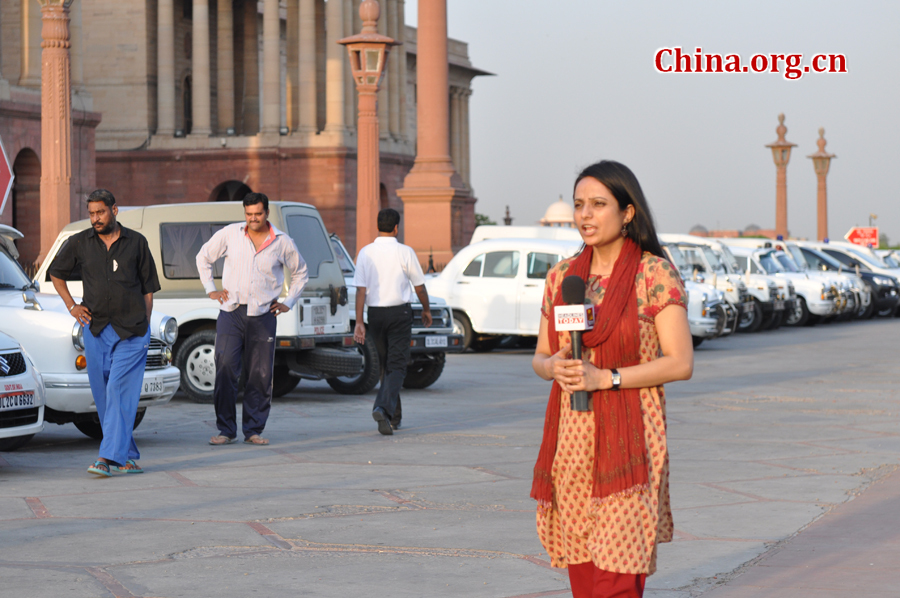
<point>283,381</point>
<point>93,429</point>
<point>424,373</point>
<point>366,380</point>
<point>752,320</point>
<point>8,445</point>
<point>799,315</point>
<point>487,344</point>
<point>462,326</point>
<point>885,312</point>
<point>196,359</point>
<point>696,340</point>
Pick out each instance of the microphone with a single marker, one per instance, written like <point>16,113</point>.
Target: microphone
<point>576,317</point>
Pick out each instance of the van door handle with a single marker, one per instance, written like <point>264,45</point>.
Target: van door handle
<point>461,282</point>
<point>530,285</point>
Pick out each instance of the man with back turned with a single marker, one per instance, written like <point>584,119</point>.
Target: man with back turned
<point>386,272</point>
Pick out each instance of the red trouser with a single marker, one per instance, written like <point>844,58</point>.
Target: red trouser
<point>590,582</point>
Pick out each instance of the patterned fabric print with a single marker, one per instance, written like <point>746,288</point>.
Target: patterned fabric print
<point>618,536</point>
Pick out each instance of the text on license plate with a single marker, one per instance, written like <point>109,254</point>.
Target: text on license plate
<point>152,387</point>
<point>318,315</point>
<point>435,341</point>
<point>16,400</point>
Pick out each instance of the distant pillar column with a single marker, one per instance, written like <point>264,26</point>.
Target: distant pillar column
<point>271,113</point>
<point>781,154</point>
<point>464,137</point>
<point>349,87</point>
<point>77,49</point>
<point>56,122</point>
<point>393,65</point>
<point>307,90</point>
<point>30,50</point>
<point>822,162</point>
<point>201,120</point>
<point>225,65</point>
<point>250,76</point>
<point>165,68</point>
<point>454,130</point>
<point>438,207</point>
<point>401,55</point>
<point>384,89</point>
<point>335,57</point>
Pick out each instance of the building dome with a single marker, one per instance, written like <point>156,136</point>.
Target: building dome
<point>751,230</point>
<point>559,213</point>
<point>699,231</point>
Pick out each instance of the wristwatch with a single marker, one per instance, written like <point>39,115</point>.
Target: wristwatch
<point>616,379</point>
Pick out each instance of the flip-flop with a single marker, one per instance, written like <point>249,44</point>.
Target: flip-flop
<point>100,468</point>
<point>134,467</point>
<point>255,439</point>
<point>220,440</point>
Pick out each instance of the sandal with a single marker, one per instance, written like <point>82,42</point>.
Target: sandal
<point>255,439</point>
<point>220,440</point>
<point>100,468</point>
<point>130,466</point>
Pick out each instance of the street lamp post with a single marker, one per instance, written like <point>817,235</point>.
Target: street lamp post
<point>781,153</point>
<point>368,55</point>
<point>821,163</point>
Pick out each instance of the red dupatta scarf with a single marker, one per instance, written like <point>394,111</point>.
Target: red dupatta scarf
<point>620,455</point>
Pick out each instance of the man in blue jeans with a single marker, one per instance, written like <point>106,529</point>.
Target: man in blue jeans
<point>256,257</point>
<point>119,278</point>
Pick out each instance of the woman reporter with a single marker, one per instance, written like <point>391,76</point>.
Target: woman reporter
<point>601,478</point>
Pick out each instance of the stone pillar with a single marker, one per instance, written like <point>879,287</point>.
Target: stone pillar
<point>201,119</point>
<point>336,57</point>
<point>56,122</point>
<point>250,74</point>
<point>77,50</point>
<point>30,74</point>
<point>401,56</point>
<point>349,87</point>
<point>439,211</point>
<point>291,83</point>
<point>454,130</point>
<point>465,172</point>
<point>822,162</point>
<point>384,89</point>
<point>781,154</point>
<point>393,70</point>
<point>271,112</point>
<point>165,58</point>
<point>225,66</point>
<point>307,78</point>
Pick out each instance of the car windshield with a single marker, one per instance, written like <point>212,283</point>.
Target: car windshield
<point>892,260</point>
<point>770,264</point>
<point>715,262</point>
<point>786,262</point>
<point>678,258</point>
<point>822,257</point>
<point>730,260</point>
<point>693,257</point>
<point>12,276</point>
<point>866,257</point>
<point>799,260</point>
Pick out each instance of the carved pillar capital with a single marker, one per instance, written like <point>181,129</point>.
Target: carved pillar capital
<point>57,3</point>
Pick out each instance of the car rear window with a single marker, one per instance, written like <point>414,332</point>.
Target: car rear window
<point>539,264</point>
<point>312,243</point>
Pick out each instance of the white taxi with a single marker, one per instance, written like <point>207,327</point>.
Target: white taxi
<point>21,396</point>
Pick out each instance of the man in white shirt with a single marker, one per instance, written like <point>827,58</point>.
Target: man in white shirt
<point>386,272</point>
<point>256,257</point>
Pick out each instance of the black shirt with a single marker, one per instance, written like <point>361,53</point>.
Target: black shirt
<point>115,280</point>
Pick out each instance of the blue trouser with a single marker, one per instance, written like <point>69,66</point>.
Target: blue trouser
<point>236,332</point>
<point>116,372</point>
<point>391,327</point>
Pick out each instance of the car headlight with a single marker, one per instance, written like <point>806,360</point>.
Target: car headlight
<point>168,330</point>
<point>882,281</point>
<point>78,336</point>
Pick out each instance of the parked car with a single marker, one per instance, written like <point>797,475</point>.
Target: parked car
<point>428,346</point>
<point>21,396</point>
<point>314,340</point>
<point>41,322</point>
<point>496,287</point>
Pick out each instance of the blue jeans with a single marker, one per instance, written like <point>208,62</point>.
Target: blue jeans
<point>116,372</point>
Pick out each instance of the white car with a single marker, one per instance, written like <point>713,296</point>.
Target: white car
<point>496,287</point>
<point>21,396</point>
<point>41,322</point>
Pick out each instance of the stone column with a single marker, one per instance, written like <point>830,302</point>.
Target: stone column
<point>271,112</point>
<point>384,89</point>
<point>225,65</point>
<point>56,122</point>
<point>393,70</point>
<point>349,87</point>
<point>336,57</point>
<point>821,163</point>
<point>165,58</point>
<point>781,154</point>
<point>464,135</point>
<point>250,74</point>
<point>403,82</point>
<point>291,84</point>
<point>439,211</point>
<point>201,119</point>
<point>77,50</point>
<point>307,78</point>
<point>30,74</point>
<point>454,129</point>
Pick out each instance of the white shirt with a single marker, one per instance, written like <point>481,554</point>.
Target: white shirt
<point>388,270</point>
<point>252,278</point>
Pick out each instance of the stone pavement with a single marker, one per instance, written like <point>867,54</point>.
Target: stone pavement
<point>769,442</point>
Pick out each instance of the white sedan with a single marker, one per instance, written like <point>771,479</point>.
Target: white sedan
<point>21,396</point>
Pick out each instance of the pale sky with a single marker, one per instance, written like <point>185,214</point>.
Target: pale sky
<point>576,83</point>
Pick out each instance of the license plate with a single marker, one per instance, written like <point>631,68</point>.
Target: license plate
<point>779,305</point>
<point>318,315</point>
<point>16,400</point>
<point>435,341</point>
<point>152,387</point>
<point>747,307</point>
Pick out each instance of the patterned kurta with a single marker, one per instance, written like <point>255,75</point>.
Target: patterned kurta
<point>620,535</point>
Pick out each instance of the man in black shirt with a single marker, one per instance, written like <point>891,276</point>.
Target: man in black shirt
<point>119,278</point>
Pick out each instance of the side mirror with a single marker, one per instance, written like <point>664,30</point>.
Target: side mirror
<point>31,301</point>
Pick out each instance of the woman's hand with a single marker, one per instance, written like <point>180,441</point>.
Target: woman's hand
<point>588,377</point>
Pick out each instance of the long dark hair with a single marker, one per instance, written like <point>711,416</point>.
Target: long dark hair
<point>624,186</point>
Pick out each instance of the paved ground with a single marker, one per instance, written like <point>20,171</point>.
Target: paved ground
<point>775,435</point>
